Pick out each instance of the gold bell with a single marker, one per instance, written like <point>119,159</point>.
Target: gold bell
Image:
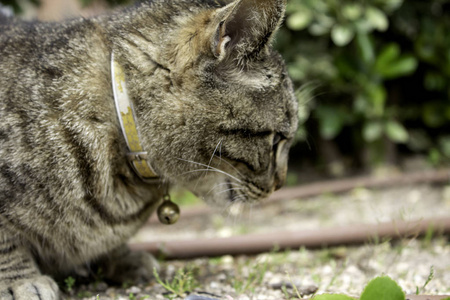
<point>168,212</point>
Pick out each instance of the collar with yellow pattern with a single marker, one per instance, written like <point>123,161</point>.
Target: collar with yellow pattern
<point>136,155</point>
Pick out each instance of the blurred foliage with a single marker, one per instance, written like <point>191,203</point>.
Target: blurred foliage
<point>373,76</point>
<point>381,71</point>
<point>17,5</point>
<point>184,197</point>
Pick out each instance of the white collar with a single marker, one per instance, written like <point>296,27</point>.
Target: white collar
<point>136,155</point>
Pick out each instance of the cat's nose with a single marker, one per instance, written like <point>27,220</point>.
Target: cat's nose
<point>279,182</point>
<point>280,166</point>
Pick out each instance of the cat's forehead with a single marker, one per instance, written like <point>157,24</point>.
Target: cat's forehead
<point>261,103</point>
<point>266,111</point>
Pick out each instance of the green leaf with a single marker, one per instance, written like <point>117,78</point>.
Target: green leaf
<point>405,65</point>
<point>434,156</point>
<point>293,6</point>
<point>377,97</point>
<point>332,297</point>
<point>331,121</point>
<point>377,18</point>
<point>390,64</point>
<point>318,29</point>
<point>365,46</point>
<point>352,11</point>
<point>391,5</point>
<point>372,131</point>
<point>396,132</point>
<point>299,20</point>
<point>382,288</point>
<point>342,34</point>
<point>296,72</point>
<point>388,54</point>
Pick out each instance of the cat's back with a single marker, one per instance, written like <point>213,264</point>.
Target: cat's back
<point>34,45</point>
<point>41,62</point>
<point>54,90</point>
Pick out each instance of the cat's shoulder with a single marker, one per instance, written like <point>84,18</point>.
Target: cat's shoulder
<point>19,36</point>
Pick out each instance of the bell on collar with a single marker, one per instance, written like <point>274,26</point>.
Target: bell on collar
<point>168,212</point>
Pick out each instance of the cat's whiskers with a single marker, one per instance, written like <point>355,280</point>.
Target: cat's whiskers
<point>209,169</point>
<point>209,163</point>
<point>217,185</point>
<point>203,170</point>
<point>233,167</point>
<point>306,92</point>
<point>239,199</point>
<point>214,152</point>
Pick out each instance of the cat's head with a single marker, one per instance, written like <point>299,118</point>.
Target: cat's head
<point>223,121</point>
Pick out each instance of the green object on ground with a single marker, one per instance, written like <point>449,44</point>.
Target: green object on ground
<point>382,288</point>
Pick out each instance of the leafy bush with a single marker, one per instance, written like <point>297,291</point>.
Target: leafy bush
<point>381,69</point>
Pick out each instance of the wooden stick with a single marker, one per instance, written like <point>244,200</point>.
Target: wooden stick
<point>257,243</point>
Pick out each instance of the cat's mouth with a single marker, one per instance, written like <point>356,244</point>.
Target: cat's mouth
<point>222,187</point>
<point>247,193</point>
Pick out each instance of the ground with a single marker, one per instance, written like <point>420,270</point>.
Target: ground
<point>416,264</point>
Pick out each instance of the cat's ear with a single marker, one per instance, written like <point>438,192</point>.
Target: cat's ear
<point>246,27</point>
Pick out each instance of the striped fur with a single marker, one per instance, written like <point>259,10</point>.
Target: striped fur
<point>215,108</point>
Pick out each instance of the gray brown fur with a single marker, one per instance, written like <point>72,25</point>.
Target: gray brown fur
<point>209,92</point>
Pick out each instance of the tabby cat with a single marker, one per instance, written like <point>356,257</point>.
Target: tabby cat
<point>214,107</point>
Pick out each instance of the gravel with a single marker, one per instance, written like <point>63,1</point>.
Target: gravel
<point>416,264</point>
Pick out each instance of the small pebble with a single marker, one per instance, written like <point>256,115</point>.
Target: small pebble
<point>303,290</point>
<point>221,277</point>
<point>227,260</point>
<point>170,271</point>
<point>214,285</point>
<point>133,290</point>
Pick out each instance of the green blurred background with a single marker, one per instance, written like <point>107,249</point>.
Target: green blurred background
<point>373,78</point>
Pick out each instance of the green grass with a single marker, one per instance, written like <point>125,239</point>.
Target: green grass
<point>429,278</point>
<point>70,282</point>
<point>182,283</point>
<point>184,198</point>
<point>243,284</point>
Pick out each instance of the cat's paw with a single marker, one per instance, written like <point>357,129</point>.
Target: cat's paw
<point>134,267</point>
<point>35,288</point>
